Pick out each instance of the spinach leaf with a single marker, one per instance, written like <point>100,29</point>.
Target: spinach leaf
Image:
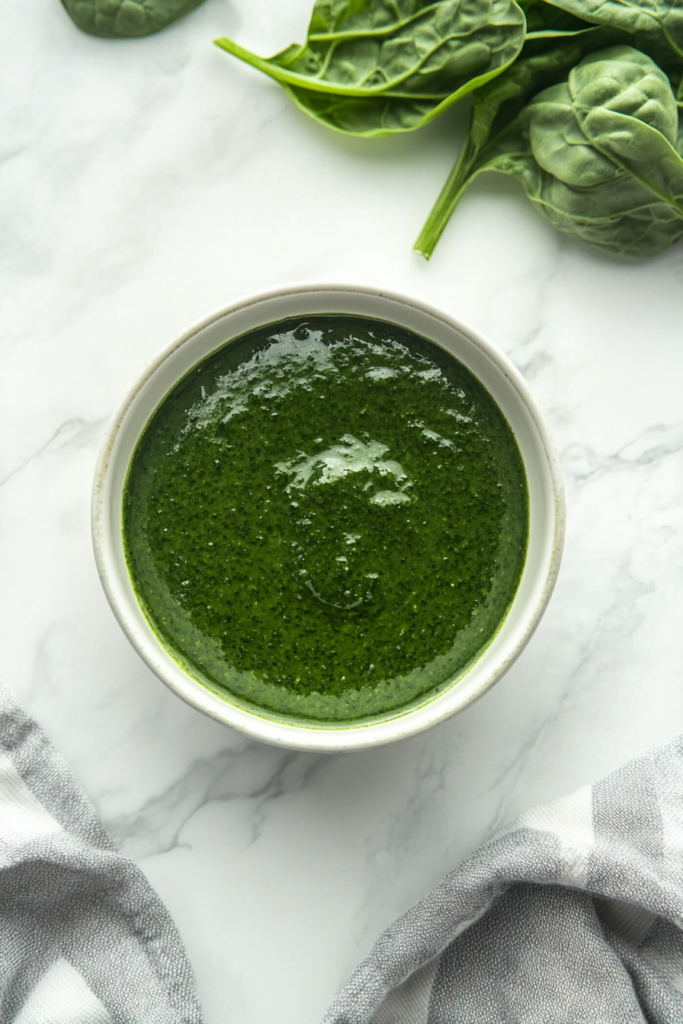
<point>656,25</point>
<point>597,154</point>
<point>126,19</point>
<point>545,21</point>
<point>544,61</point>
<point>375,67</point>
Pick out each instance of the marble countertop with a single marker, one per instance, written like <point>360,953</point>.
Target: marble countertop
<point>146,183</point>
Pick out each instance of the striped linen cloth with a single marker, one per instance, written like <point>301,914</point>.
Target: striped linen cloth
<point>570,915</point>
<point>84,939</point>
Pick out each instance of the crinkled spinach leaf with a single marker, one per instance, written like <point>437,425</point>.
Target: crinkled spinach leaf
<point>375,67</point>
<point>495,105</point>
<point>125,19</point>
<point>597,154</point>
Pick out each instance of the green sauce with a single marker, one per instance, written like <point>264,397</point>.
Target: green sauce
<point>326,519</point>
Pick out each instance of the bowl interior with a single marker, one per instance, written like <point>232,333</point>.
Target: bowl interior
<point>546,508</point>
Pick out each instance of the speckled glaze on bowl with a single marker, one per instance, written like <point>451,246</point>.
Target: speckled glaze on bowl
<point>546,508</point>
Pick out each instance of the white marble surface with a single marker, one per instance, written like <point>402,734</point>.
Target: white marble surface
<point>144,184</point>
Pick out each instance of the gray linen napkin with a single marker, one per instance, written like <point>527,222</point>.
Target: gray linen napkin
<point>84,939</point>
<point>570,915</point>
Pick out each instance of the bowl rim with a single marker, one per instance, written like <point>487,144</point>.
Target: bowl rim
<point>319,737</point>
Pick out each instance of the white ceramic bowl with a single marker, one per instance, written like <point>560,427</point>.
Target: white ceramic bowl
<point>504,383</point>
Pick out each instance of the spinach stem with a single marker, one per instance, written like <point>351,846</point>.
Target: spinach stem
<point>314,83</point>
<point>456,183</point>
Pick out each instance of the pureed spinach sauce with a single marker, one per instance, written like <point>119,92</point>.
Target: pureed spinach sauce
<point>326,518</point>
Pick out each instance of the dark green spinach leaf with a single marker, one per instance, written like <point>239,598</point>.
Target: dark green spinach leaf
<point>544,61</point>
<point>375,67</point>
<point>597,154</point>
<point>125,19</point>
<point>655,25</point>
<point>545,21</point>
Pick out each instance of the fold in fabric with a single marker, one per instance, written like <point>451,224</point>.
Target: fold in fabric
<point>84,939</point>
<point>571,915</point>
